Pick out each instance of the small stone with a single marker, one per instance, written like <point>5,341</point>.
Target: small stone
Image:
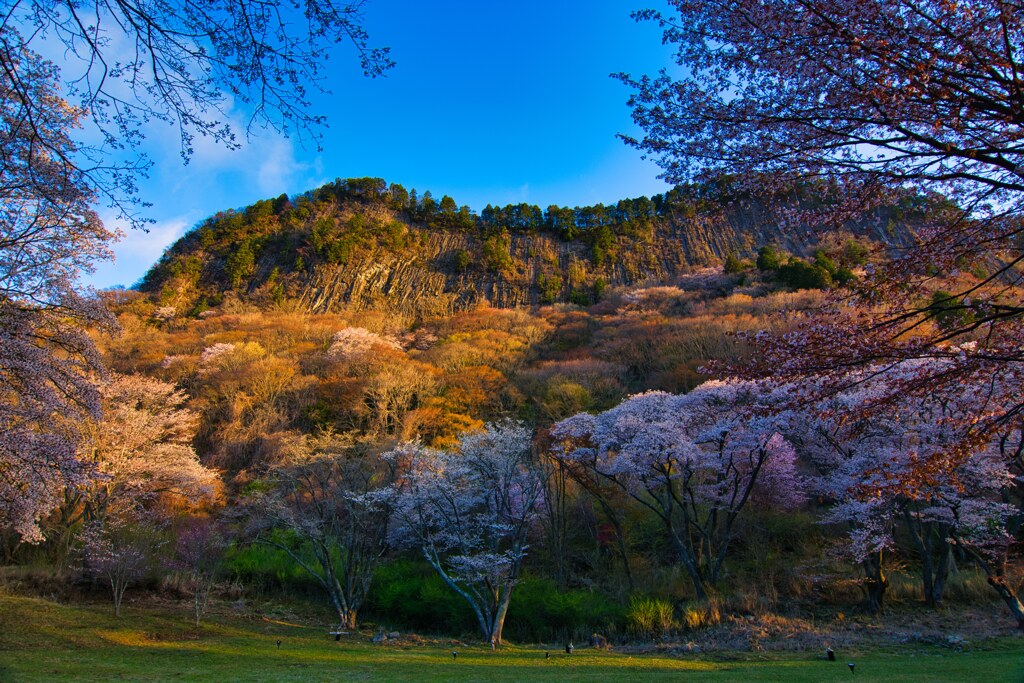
<point>394,635</point>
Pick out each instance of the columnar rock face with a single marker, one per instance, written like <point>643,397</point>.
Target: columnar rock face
<point>329,255</point>
<point>426,280</point>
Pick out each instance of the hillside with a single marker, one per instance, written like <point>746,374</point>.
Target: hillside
<point>301,337</point>
<point>364,244</point>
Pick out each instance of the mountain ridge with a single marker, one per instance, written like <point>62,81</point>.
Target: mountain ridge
<point>362,243</point>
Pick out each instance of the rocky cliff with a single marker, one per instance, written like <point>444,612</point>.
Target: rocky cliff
<point>335,248</point>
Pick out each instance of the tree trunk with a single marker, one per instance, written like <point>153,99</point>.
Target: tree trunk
<point>926,579</point>
<point>875,583</point>
<point>333,588</point>
<point>495,637</point>
<point>1009,597</point>
<point>556,487</point>
<point>620,542</point>
<point>486,628</point>
<point>690,564</point>
<point>997,579</point>
<point>620,539</point>
<point>118,588</point>
<point>11,543</point>
<point>346,612</point>
<point>203,585</point>
<point>725,538</point>
<point>498,626</point>
<point>346,615</point>
<point>481,619</point>
<point>687,555</point>
<point>933,577</point>
<point>197,606</point>
<point>941,574</point>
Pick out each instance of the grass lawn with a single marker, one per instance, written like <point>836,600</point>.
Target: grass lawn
<point>45,641</point>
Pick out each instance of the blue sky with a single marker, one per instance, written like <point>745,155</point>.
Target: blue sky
<point>489,103</point>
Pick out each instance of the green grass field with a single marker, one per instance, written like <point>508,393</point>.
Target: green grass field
<point>45,641</point>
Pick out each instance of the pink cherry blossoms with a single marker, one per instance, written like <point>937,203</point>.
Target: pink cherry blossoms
<point>469,511</point>
<point>48,235</point>
<point>864,458</point>
<point>695,460</point>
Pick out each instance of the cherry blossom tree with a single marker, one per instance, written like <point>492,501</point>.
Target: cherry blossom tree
<point>469,511</point>
<point>980,528</point>
<point>199,553</point>
<point>137,458</point>
<point>695,460</point>
<point>48,235</point>
<point>866,103</point>
<point>141,450</point>
<point>126,64</point>
<point>967,509</point>
<point>863,460</point>
<point>39,390</point>
<point>848,455</point>
<point>325,500</point>
<point>355,342</point>
<point>48,230</point>
<point>922,92</point>
<point>121,551</point>
<point>215,354</point>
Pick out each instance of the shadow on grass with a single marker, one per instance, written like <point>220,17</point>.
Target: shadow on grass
<point>47,642</point>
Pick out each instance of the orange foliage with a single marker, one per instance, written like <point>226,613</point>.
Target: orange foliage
<point>437,424</point>
<point>456,372</point>
<point>474,389</point>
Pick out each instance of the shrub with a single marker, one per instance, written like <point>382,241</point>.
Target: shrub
<point>732,264</point>
<point>580,297</point>
<point>701,615</point>
<point>770,258</point>
<point>266,568</point>
<point>497,257</point>
<point>462,261</point>
<point>799,274</point>
<point>549,287</point>
<point>602,243</point>
<point>650,617</point>
<point>241,263</point>
<point>541,612</point>
<point>824,261</point>
<point>950,312</point>
<point>854,253</point>
<point>844,276</point>
<point>410,594</point>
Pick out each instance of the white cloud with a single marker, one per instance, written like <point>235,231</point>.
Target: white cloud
<point>278,168</point>
<point>218,178</point>
<point>136,251</point>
